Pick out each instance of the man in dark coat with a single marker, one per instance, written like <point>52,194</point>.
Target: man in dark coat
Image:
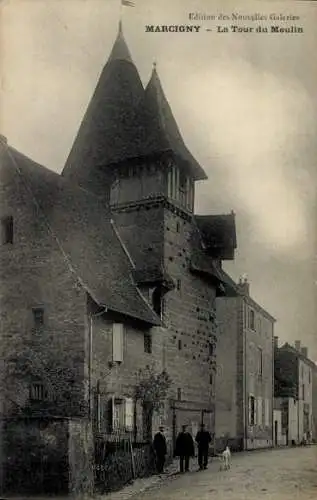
<point>184,448</point>
<point>160,448</point>
<point>203,439</point>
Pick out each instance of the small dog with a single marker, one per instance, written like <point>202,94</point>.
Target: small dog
<point>225,459</point>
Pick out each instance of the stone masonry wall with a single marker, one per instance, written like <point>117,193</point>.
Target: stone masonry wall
<point>227,403</point>
<point>33,273</point>
<point>189,315</point>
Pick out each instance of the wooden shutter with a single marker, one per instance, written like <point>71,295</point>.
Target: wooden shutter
<point>117,342</point>
<point>129,413</point>
<point>259,411</point>
<point>267,412</point>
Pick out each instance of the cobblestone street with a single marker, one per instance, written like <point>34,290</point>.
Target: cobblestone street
<point>273,474</point>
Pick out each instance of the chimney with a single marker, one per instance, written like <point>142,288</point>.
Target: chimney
<point>3,140</point>
<point>304,351</point>
<point>244,286</point>
<point>275,342</point>
<point>297,345</point>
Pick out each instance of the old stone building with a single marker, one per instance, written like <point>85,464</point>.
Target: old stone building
<point>106,270</point>
<point>294,391</point>
<point>244,379</point>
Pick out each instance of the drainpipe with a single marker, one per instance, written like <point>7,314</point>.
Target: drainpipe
<point>246,401</point>
<point>90,358</point>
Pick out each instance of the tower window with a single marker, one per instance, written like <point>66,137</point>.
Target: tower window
<point>147,343</point>
<point>179,394</point>
<point>38,316</point>
<point>252,319</point>
<point>7,230</point>
<point>211,379</point>
<point>178,226</point>
<point>179,284</point>
<point>179,345</point>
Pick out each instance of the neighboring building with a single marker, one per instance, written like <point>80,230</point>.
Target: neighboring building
<point>314,430</point>
<point>244,381</point>
<point>294,373</point>
<point>106,270</point>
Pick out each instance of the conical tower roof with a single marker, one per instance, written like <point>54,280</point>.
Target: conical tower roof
<point>106,133</point>
<point>160,128</point>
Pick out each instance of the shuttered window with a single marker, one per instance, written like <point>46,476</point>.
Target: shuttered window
<point>267,412</point>
<point>117,342</point>
<point>260,411</point>
<point>129,411</point>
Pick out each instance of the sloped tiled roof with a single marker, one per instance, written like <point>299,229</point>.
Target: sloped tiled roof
<point>218,231</point>
<point>159,131</point>
<point>124,121</point>
<point>204,264</point>
<point>298,354</point>
<point>82,226</point>
<point>107,132</point>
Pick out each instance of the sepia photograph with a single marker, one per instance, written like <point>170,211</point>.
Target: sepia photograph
<point>158,253</point>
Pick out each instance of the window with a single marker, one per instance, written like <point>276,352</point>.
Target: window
<point>7,230</point>
<point>179,344</point>
<point>38,392</point>
<point>211,379</point>
<point>179,394</point>
<point>117,342</point>
<point>260,361</point>
<point>309,377</point>
<point>252,319</point>
<point>148,343</point>
<point>129,414</point>
<point>38,316</point>
<point>179,284</point>
<point>211,349</point>
<point>303,392</point>
<point>251,410</point>
<point>178,226</point>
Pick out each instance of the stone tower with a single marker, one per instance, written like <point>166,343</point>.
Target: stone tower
<point>129,151</point>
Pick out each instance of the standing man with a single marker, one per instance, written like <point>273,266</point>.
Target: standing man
<point>184,448</point>
<point>160,448</point>
<point>203,439</point>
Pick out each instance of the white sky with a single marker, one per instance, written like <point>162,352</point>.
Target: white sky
<point>245,103</point>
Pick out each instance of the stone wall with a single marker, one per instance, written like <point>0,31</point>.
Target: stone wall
<point>227,402</point>
<point>34,458</point>
<point>34,273</point>
<point>80,457</point>
<point>189,315</point>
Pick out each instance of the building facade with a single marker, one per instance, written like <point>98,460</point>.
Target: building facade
<point>294,374</point>
<point>107,271</point>
<point>244,380</point>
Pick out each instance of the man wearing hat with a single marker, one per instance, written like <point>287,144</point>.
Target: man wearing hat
<point>160,448</point>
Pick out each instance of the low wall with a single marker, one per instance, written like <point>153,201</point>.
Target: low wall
<point>51,456</point>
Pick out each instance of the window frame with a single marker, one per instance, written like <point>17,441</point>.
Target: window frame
<point>147,343</point>
<point>7,230</point>
<point>38,319</point>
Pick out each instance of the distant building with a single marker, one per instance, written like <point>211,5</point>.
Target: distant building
<point>244,380</point>
<point>294,374</point>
